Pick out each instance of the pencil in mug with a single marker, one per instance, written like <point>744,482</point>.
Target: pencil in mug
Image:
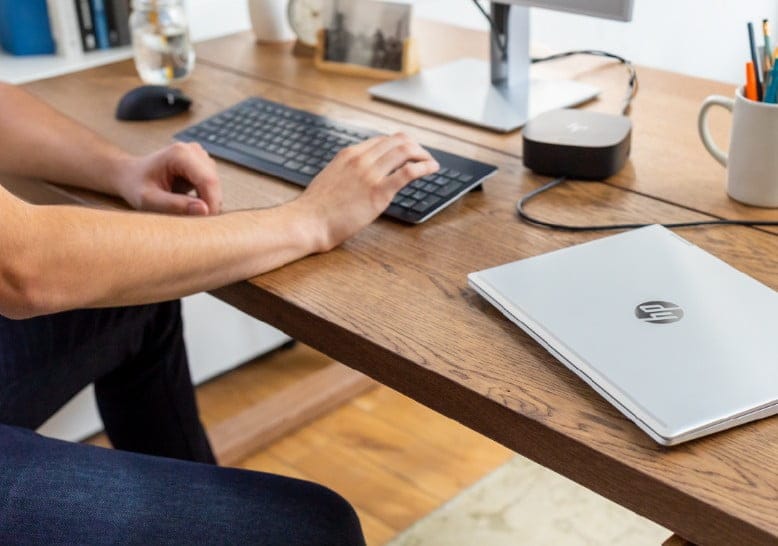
<point>771,95</point>
<point>751,81</point>
<point>754,60</point>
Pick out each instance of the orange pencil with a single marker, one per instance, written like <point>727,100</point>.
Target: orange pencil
<point>750,81</point>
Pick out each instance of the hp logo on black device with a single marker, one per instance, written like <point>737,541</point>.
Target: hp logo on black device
<point>659,312</point>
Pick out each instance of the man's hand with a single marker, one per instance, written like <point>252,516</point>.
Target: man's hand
<point>163,181</point>
<point>359,184</point>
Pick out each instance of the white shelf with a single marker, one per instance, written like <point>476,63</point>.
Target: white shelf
<point>25,68</point>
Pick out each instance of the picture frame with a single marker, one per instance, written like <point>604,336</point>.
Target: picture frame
<point>368,38</point>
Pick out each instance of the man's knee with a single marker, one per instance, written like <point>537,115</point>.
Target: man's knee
<point>337,518</point>
<point>294,511</point>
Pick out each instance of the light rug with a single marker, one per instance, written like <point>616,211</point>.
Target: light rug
<point>522,503</point>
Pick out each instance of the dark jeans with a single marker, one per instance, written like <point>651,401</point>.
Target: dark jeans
<point>58,492</point>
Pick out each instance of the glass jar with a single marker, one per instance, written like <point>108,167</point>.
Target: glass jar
<point>160,41</point>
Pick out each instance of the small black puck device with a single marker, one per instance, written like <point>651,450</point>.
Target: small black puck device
<point>576,143</point>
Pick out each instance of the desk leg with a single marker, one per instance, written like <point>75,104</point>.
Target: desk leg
<point>240,436</point>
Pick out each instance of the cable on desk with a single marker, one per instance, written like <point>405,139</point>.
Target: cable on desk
<point>632,83</point>
<point>525,216</point>
<point>501,45</point>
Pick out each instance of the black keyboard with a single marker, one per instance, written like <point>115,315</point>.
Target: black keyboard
<point>295,145</point>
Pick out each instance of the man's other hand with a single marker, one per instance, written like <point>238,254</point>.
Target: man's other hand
<point>179,179</point>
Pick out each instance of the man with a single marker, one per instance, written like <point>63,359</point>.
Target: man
<point>78,298</point>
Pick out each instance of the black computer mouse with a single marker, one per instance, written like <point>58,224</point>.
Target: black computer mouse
<point>152,102</point>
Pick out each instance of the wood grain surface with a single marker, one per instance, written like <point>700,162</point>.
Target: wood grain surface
<point>236,438</point>
<point>394,303</point>
<point>668,159</point>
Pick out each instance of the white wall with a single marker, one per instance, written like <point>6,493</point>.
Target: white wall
<point>704,38</point>
<point>211,18</point>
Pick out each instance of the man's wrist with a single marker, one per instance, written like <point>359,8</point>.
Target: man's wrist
<point>309,227</point>
<point>121,176</point>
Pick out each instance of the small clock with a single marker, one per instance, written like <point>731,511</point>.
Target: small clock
<point>305,18</point>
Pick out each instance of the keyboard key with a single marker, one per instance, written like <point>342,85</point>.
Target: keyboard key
<point>465,178</point>
<point>406,191</point>
<point>448,189</point>
<point>293,165</point>
<point>260,154</point>
<point>427,204</point>
<point>430,188</point>
<point>419,195</point>
<point>407,203</point>
<point>308,169</point>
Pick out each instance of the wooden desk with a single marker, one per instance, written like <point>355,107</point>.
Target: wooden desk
<point>394,302</point>
<point>667,160</point>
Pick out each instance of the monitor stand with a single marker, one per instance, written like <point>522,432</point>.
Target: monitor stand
<point>499,95</point>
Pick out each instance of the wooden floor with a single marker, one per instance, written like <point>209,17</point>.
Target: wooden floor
<point>393,459</point>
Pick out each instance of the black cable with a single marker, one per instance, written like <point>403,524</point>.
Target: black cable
<point>521,204</point>
<point>632,83</point>
<point>631,92</point>
<point>503,48</point>
<point>501,45</point>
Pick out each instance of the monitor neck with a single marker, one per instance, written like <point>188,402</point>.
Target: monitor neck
<point>509,67</point>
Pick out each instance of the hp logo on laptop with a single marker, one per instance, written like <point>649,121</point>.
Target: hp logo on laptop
<point>659,312</point>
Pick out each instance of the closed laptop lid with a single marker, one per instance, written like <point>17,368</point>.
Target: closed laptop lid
<point>680,341</point>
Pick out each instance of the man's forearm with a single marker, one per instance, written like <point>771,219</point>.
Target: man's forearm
<point>37,141</point>
<point>58,258</point>
<point>142,258</point>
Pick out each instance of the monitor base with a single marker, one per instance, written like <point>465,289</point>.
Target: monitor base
<point>463,91</point>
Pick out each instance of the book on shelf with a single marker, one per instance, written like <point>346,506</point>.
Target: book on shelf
<point>74,24</point>
<point>25,27</point>
<point>63,20</point>
<point>118,12</point>
<point>86,25</point>
<point>100,23</point>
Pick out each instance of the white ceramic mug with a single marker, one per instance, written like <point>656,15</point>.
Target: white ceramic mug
<point>269,20</point>
<point>752,162</point>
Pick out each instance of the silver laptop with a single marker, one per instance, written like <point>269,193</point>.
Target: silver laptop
<point>679,341</point>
